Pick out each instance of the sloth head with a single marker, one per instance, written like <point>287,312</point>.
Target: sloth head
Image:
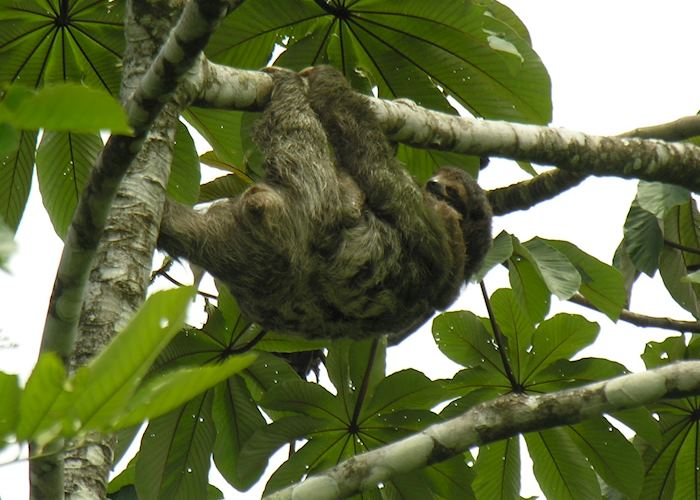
<point>461,192</point>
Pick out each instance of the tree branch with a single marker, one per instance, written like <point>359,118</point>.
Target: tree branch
<point>525,194</point>
<point>677,130</point>
<point>176,58</point>
<point>87,466</point>
<point>495,420</point>
<point>579,154</point>
<point>642,320</point>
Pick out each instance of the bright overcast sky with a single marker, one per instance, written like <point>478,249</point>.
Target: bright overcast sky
<point>615,65</point>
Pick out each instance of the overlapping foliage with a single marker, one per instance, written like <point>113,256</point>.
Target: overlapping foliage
<point>205,397</point>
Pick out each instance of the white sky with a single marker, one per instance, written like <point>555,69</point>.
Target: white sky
<point>615,65</point>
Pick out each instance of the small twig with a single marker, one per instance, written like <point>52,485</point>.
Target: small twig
<point>644,321</point>
<point>677,130</point>
<point>678,246</point>
<point>500,342</point>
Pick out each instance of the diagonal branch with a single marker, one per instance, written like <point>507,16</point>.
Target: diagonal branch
<point>523,195</point>
<point>494,420</point>
<point>176,58</point>
<point>87,467</point>
<point>642,320</point>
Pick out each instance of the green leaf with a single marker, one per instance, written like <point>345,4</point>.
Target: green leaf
<point>659,198</point>
<point>42,391</point>
<point>237,418</point>
<point>10,393</point>
<point>528,285</point>
<point>404,389</point>
<point>406,49</point>
<point>461,336</point>
<point>497,470</point>
<point>515,326</point>
<point>681,228</point>
<point>353,365</point>
<point>674,274</point>
<point>265,442</point>
<point>560,276</point>
<point>170,390</point>
<point>642,422</point>
<point>305,398</point>
<point>474,385</point>
<point>612,456</point>
<point>558,338</point>
<point>564,374</point>
<point>226,186</point>
<point>668,464</point>
<point>449,479</point>
<point>70,107</point>
<point>422,163</point>
<point>500,251</point>
<point>37,49</point>
<point>687,474</point>
<point>643,239</point>
<point>174,458</point>
<point>222,130</point>
<point>16,179</point>
<point>183,183</point>
<point>9,138</point>
<point>63,163</point>
<point>561,471</point>
<point>671,349</point>
<point>103,388</point>
<point>601,284</point>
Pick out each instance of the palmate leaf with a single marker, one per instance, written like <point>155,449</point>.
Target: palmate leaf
<point>63,163</point>
<point>9,412</point>
<point>561,471</point>
<point>680,228</point>
<point>612,456</point>
<point>174,457</point>
<point>16,179</point>
<point>643,239</point>
<point>497,470</point>
<point>671,467</point>
<point>56,41</point>
<point>480,55</point>
<point>368,411</point>
<point>601,283</point>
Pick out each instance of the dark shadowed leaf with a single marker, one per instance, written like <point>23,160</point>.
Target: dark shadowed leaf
<point>612,456</point>
<point>175,453</point>
<point>63,164</point>
<point>497,470</point>
<point>643,239</point>
<point>561,471</point>
<point>601,283</point>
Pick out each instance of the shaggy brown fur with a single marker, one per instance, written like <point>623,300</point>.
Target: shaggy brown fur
<point>341,244</point>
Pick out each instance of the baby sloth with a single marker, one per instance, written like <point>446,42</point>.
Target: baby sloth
<point>338,241</point>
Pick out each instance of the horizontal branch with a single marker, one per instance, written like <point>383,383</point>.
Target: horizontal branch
<point>495,420</point>
<point>644,321</point>
<point>406,122</point>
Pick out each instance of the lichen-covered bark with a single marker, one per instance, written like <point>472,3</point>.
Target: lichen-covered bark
<point>494,420</point>
<point>578,153</point>
<point>122,264</point>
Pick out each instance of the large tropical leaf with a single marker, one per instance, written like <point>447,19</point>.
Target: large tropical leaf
<point>478,54</point>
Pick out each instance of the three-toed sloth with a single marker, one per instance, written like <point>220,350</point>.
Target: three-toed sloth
<point>338,241</point>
